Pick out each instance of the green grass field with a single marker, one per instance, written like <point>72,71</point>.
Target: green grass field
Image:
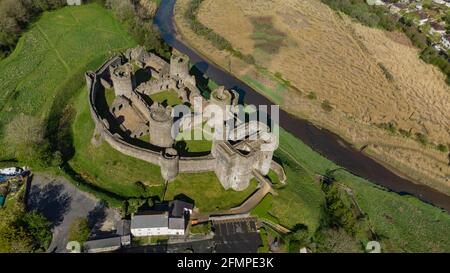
<point>404,223</point>
<point>207,192</point>
<point>106,167</point>
<point>51,58</point>
<point>168,97</point>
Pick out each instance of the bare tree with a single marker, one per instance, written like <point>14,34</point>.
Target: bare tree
<point>24,137</point>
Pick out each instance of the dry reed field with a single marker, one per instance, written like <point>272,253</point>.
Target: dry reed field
<point>382,95</point>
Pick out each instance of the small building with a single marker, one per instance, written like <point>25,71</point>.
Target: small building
<point>445,40</point>
<point>437,28</point>
<point>103,245</point>
<point>167,219</point>
<point>423,18</point>
<point>74,2</point>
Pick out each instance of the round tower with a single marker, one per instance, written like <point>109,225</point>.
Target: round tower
<point>123,79</point>
<point>169,164</point>
<point>221,97</point>
<point>160,126</point>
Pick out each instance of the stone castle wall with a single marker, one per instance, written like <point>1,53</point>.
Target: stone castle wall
<point>170,167</point>
<point>233,164</point>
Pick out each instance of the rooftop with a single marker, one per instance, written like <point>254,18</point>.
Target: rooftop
<point>150,220</point>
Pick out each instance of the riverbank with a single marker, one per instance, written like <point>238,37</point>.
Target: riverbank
<point>390,136</point>
<point>325,143</point>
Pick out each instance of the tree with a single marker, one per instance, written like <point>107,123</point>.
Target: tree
<point>24,137</point>
<point>300,237</point>
<point>23,232</point>
<point>79,230</point>
<point>39,228</point>
<point>134,204</point>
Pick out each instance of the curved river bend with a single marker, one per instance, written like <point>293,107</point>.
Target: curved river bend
<point>324,142</point>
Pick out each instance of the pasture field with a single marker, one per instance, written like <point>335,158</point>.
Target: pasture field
<point>47,68</point>
<point>382,96</point>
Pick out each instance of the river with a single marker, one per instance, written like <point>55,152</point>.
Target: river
<point>322,141</point>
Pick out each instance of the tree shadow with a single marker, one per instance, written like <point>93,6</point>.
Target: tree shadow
<point>184,198</point>
<point>51,201</point>
<point>96,218</point>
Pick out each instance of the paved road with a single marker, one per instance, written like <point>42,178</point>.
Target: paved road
<point>61,202</point>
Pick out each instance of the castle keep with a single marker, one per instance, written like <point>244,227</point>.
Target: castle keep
<point>132,116</point>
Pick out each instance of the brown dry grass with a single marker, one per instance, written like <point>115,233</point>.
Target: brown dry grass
<point>341,61</point>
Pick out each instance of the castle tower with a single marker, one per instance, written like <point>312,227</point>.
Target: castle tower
<point>179,67</point>
<point>169,163</point>
<point>268,144</point>
<point>123,79</point>
<point>160,123</point>
<point>224,98</point>
<point>233,168</point>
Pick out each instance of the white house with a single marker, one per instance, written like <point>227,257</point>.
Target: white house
<point>74,2</point>
<point>375,3</point>
<point>442,2</point>
<point>166,219</point>
<point>445,40</point>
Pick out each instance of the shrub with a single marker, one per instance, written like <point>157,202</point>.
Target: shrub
<point>405,133</point>
<point>327,106</point>
<point>312,95</point>
<point>422,138</point>
<point>442,147</point>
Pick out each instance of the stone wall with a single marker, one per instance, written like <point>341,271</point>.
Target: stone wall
<point>233,163</point>
<point>170,166</point>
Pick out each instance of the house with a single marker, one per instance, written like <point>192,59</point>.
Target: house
<point>166,219</point>
<point>395,8</point>
<point>423,18</point>
<point>442,2</point>
<point>113,242</point>
<point>445,40</point>
<point>436,28</point>
<point>74,2</point>
<point>375,3</point>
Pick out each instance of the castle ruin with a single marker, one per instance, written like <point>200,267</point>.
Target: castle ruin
<point>131,115</point>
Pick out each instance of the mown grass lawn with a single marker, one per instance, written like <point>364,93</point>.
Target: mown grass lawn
<point>106,167</point>
<point>168,97</point>
<point>207,192</point>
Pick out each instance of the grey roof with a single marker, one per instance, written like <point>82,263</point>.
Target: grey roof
<point>123,227</point>
<point>176,223</point>
<point>177,208</point>
<point>157,220</point>
<point>102,243</point>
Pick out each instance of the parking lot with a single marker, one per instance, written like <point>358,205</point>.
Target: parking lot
<point>236,235</point>
<point>61,203</point>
